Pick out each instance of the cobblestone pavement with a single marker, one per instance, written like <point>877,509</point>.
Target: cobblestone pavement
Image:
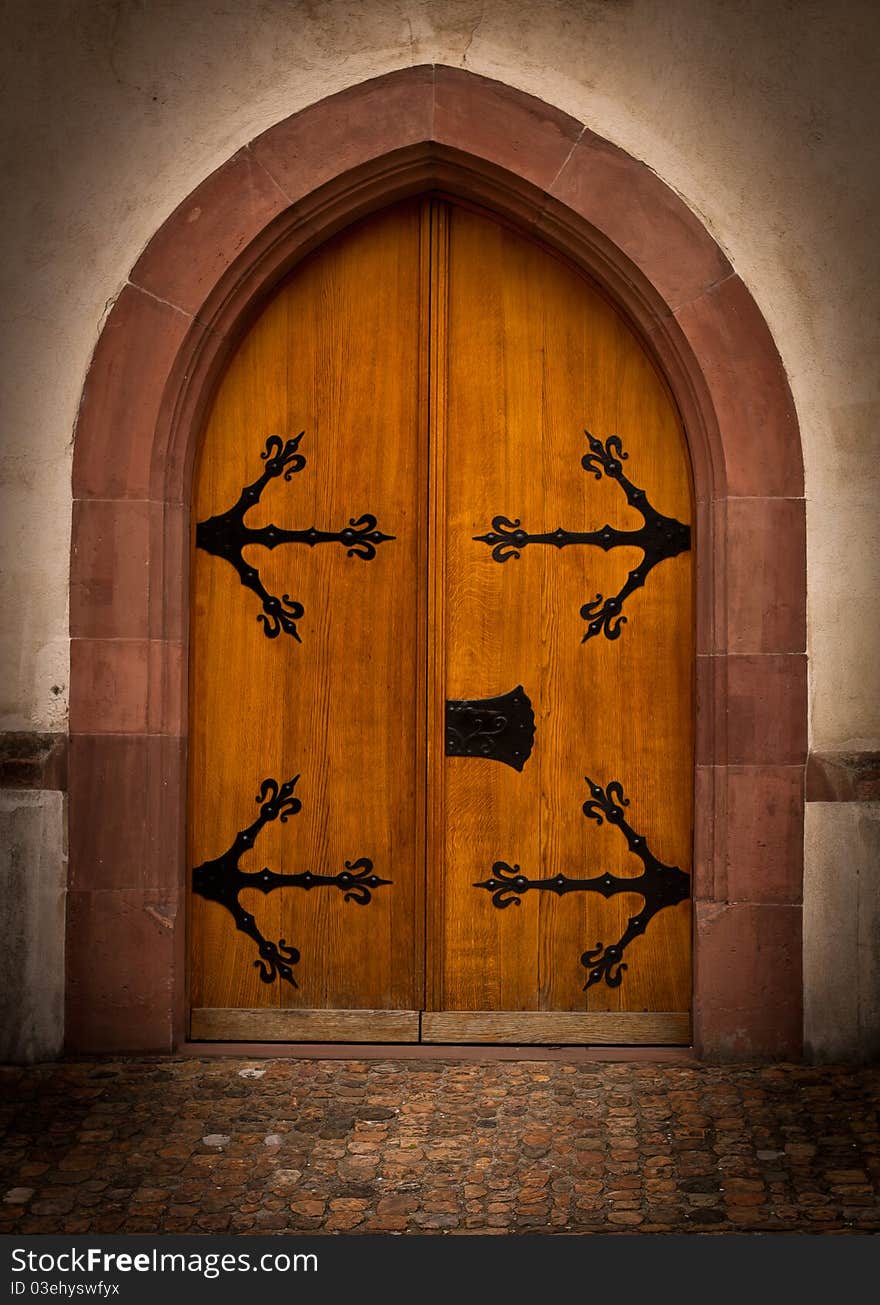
<point>254,1146</point>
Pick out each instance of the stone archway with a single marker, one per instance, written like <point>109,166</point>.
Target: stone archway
<point>152,375</point>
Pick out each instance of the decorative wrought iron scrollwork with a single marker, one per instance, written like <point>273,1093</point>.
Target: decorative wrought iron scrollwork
<point>222,880</point>
<point>497,729</point>
<point>226,536</point>
<point>660,537</point>
<point>659,885</point>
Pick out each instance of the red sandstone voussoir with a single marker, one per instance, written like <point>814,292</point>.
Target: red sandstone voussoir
<point>643,217</point>
<point>501,125</point>
<point>735,352</point>
<point>347,130</point>
<point>115,429</point>
<point>206,233</point>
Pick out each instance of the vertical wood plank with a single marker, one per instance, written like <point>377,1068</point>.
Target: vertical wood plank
<point>437,601</point>
<point>536,354</point>
<point>334,354</point>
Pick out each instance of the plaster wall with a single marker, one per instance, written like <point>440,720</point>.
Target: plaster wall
<point>760,115</point>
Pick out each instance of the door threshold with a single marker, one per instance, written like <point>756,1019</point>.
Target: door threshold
<point>512,1028</point>
<point>434,1051</point>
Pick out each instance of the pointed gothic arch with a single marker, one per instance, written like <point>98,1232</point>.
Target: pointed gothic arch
<point>163,347</point>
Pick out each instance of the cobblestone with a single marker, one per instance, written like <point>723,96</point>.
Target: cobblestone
<point>181,1145</point>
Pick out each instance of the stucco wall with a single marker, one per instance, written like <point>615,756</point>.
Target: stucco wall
<point>760,115</point>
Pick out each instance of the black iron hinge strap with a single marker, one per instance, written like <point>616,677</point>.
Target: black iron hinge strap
<point>226,536</point>
<point>659,538</point>
<point>222,879</point>
<point>659,885</point>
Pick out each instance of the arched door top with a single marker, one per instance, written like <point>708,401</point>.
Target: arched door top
<point>152,374</point>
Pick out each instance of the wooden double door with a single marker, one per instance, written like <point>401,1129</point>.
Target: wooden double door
<point>441,757</point>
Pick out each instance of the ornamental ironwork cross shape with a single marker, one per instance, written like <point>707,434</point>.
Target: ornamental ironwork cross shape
<point>659,885</point>
<point>226,536</point>
<point>222,880</point>
<point>660,537</point>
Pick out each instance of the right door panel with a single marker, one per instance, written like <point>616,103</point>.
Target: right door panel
<point>590,626</point>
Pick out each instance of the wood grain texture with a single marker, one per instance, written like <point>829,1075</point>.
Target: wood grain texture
<point>573,1028</point>
<point>235,1025</point>
<point>535,354</point>
<point>438,265</point>
<point>335,354</point>
<point>443,368</point>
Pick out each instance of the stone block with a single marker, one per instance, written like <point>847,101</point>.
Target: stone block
<point>33,877</point>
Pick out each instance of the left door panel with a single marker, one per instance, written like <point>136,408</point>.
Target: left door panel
<point>308,653</point>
